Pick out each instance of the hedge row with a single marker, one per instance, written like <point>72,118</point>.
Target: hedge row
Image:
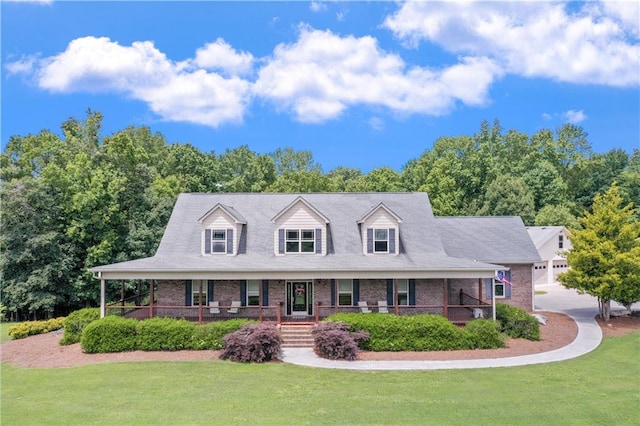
<point>31,328</point>
<point>421,332</point>
<point>117,334</point>
<point>517,323</point>
<point>75,322</point>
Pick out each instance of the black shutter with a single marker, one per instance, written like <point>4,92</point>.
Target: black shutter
<point>412,292</point>
<point>392,240</point>
<point>265,292</point>
<point>390,292</point>
<point>230,241</point>
<point>210,291</point>
<point>318,241</point>
<point>356,292</point>
<point>281,241</point>
<point>369,240</point>
<point>333,292</point>
<point>187,292</point>
<point>243,293</point>
<point>207,241</point>
<point>488,284</point>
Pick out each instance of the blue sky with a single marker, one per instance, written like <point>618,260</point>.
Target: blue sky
<point>359,84</point>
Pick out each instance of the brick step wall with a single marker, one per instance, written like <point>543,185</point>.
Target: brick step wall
<point>296,336</point>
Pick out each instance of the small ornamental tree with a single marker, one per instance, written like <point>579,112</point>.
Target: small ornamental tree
<point>605,259</point>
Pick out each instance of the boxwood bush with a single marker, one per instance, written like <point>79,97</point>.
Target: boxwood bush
<point>31,328</point>
<point>109,334</point>
<point>417,333</point>
<point>484,334</point>
<point>210,335</point>
<point>517,323</point>
<point>75,322</point>
<point>164,334</point>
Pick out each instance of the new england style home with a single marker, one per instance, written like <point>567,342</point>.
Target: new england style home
<point>302,257</point>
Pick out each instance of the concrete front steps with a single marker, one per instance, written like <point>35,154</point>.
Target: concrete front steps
<point>297,335</point>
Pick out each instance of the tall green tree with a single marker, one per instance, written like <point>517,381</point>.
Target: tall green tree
<point>605,258</point>
<point>509,196</point>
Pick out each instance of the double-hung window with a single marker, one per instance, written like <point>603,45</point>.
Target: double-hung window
<point>300,241</point>
<point>253,293</point>
<point>381,240</point>
<point>403,292</point>
<point>345,292</point>
<point>195,294</point>
<point>218,241</point>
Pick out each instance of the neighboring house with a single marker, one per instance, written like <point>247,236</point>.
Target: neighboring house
<point>287,257</point>
<point>551,242</point>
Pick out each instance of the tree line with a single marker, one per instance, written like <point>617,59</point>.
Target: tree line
<point>77,199</point>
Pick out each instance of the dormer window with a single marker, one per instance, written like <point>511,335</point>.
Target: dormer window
<point>300,241</point>
<point>218,241</point>
<point>380,240</point>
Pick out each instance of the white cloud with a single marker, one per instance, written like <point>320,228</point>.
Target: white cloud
<point>24,65</point>
<point>575,117</point>
<point>173,90</point>
<point>376,123</point>
<point>322,74</point>
<point>317,6</point>
<point>222,57</point>
<point>595,44</point>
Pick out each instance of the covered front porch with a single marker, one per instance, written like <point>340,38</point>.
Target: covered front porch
<point>298,300</point>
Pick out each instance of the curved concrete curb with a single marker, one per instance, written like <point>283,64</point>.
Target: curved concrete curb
<point>588,338</point>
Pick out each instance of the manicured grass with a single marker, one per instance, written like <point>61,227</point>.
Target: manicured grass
<point>4,330</point>
<point>598,388</point>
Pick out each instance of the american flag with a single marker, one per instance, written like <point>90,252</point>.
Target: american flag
<point>500,276</point>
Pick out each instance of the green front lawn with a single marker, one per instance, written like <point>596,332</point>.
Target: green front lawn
<point>598,388</point>
<point>4,330</point>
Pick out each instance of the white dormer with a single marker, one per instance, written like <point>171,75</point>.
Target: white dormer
<point>300,229</point>
<point>380,231</point>
<point>221,229</point>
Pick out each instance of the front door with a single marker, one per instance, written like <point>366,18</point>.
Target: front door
<point>299,298</point>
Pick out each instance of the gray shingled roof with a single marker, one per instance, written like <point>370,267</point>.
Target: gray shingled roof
<point>541,234</point>
<point>421,245</point>
<point>487,239</point>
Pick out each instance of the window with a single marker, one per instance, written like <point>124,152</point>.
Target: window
<point>218,241</point>
<point>381,240</point>
<point>560,241</point>
<point>300,241</point>
<point>195,294</point>
<point>253,293</point>
<point>345,292</point>
<point>403,292</point>
<point>499,289</point>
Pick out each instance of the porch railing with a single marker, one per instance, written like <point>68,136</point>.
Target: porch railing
<point>455,313</point>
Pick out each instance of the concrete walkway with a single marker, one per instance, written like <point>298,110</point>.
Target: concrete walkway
<point>582,308</point>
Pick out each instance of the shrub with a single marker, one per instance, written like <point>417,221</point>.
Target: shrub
<point>253,343</point>
<point>164,334</point>
<point>109,334</point>
<point>76,322</point>
<point>334,341</point>
<point>209,336</point>
<point>31,328</point>
<point>517,323</point>
<point>484,334</point>
<point>405,333</point>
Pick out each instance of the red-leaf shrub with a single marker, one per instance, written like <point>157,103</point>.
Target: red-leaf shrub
<point>334,341</point>
<point>253,343</point>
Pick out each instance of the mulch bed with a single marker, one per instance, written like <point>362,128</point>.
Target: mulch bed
<point>44,351</point>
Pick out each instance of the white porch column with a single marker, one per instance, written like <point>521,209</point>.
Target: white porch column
<point>103,298</point>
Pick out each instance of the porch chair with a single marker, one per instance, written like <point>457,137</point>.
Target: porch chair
<point>478,313</point>
<point>364,308</point>
<point>382,307</point>
<point>235,304</point>
<point>214,307</point>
